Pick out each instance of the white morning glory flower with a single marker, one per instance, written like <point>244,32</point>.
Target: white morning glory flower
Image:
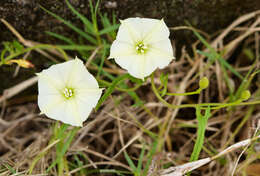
<point>141,46</point>
<point>68,92</point>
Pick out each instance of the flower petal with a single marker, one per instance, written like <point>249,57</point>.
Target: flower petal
<point>127,31</point>
<point>156,30</point>
<point>48,86</point>
<point>80,75</point>
<point>134,64</point>
<point>121,48</point>
<point>141,46</point>
<point>162,49</point>
<point>86,101</point>
<point>67,112</point>
<point>71,75</point>
<point>49,101</point>
<point>144,29</point>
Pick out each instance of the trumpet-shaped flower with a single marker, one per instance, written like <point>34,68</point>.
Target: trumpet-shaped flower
<point>141,46</point>
<point>67,92</point>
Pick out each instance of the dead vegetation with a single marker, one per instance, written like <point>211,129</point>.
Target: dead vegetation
<point>119,127</point>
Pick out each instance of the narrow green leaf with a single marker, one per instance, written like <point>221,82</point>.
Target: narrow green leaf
<point>18,46</point>
<point>86,22</point>
<point>96,7</point>
<point>150,156</point>
<point>100,68</point>
<point>140,160</point>
<point>79,31</point>
<point>202,124</point>
<point>228,66</point>
<point>246,81</point>
<point>109,29</point>
<point>76,47</point>
<point>165,85</point>
<point>110,89</point>
<point>217,56</point>
<point>12,170</point>
<point>130,162</point>
<point>60,37</point>
<point>64,148</point>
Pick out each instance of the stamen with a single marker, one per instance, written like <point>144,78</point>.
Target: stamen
<point>68,93</point>
<point>141,48</point>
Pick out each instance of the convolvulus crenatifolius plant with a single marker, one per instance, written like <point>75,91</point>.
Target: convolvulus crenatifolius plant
<point>68,92</point>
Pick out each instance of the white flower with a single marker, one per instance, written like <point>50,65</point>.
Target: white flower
<point>68,92</point>
<point>141,46</point>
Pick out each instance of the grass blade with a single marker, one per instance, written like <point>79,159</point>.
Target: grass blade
<point>109,29</point>
<point>140,160</point>
<point>61,37</point>
<point>64,148</point>
<point>79,31</point>
<point>217,56</point>
<point>76,47</point>
<point>110,89</point>
<point>86,22</point>
<point>202,124</point>
<point>150,156</point>
<point>130,162</point>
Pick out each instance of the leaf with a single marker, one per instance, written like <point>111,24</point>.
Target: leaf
<point>164,82</point>
<point>18,46</point>
<point>21,62</point>
<point>61,37</point>
<point>150,156</point>
<point>64,148</point>
<point>214,55</point>
<point>109,29</point>
<point>76,47</point>
<point>140,160</point>
<point>86,22</point>
<point>249,53</point>
<point>79,31</point>
<point>110,89</point>
<point>100,68</point>
<point>130,162</point>
<point>202,124</point>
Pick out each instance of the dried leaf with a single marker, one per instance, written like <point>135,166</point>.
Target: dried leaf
<point>21,62</point>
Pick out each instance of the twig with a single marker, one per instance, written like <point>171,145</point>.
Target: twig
<point>188,167</point>
<point>92,56</point>
<point>12,91</point>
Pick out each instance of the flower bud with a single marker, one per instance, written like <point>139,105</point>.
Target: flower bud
<point>245,95</point>
<point>204,83</point>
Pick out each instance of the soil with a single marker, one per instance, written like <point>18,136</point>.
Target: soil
<point>31,21</point>
<point>27,17</point>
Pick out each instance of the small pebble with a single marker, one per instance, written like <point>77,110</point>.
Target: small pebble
<point>111,5</point>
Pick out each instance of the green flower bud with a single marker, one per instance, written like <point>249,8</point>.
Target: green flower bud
<point>245,95</point>
<point>204,83</point>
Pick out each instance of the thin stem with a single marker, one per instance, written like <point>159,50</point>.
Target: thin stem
<point>37,47</point>
<point>217,105</point>
<point>186,93</point>
<point>118,88</point>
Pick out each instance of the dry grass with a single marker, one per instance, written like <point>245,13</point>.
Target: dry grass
<point>119,127</point>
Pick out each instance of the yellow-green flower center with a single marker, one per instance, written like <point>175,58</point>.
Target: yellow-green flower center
<point>141,48</point>
<point>68,92</point>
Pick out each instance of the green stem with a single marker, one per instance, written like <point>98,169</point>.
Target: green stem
<point>185,93</point>
<point>216,105</point>
<point>118,88</point>
<point>41,46</point>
